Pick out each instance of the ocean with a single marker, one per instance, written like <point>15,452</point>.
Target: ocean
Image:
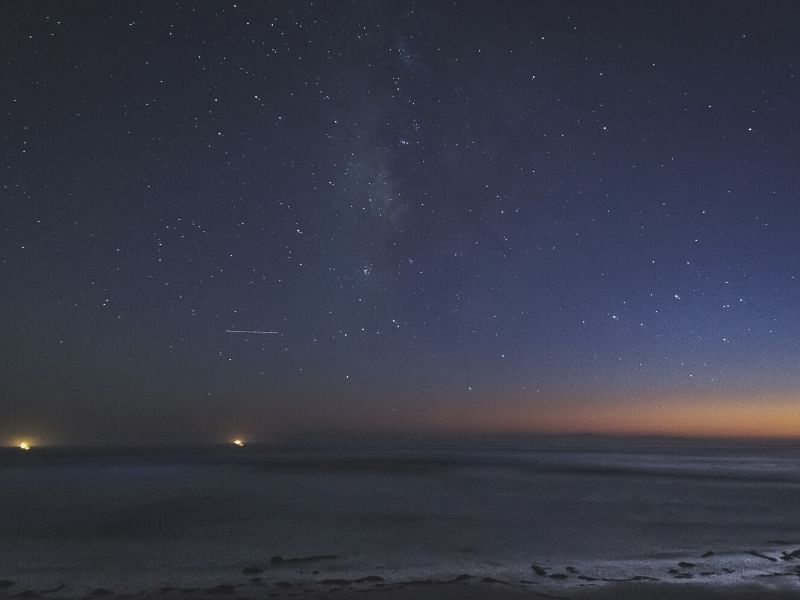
<point>132,520</point>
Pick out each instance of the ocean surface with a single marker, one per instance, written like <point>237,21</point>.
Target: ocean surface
<point>131,520</point>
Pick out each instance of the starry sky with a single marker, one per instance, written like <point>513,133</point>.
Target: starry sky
<point>530,216</point>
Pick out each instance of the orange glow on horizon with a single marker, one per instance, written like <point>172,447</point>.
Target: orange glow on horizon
<point>774,416</point>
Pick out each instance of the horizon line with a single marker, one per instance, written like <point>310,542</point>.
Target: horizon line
<point>355,438</point>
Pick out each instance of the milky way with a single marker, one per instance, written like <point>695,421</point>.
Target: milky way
<point>456,216</point>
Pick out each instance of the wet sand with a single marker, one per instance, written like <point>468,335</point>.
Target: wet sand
<point>496,591</point>
<point>772,574</point>
<point>769,574</point>
<point>628,591</point>
<point>631,591</point>
<point>460,588</point>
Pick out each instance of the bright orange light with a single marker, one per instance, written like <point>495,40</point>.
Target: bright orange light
<point>238,442</point>
<point>24,446</point>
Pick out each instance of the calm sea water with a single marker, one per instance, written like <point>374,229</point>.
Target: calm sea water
<point>141,519</point>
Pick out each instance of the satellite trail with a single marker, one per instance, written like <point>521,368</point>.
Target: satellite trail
<point>250,331</point>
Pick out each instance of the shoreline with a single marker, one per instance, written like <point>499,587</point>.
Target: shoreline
<point>456,589</point>
<point>772,573</point>
<point>308,577</point>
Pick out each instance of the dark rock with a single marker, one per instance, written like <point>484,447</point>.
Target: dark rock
<point>422,582</point>
<point>28,594</point>
<point>686,565</point>
<point>708,573</point>
<point>283,584</point>
<point>5,584</point>
<point>791,555</point>
<point>684,576</point>
<point>558,576</point>
<point>626,579</point>
<point>279,560</point>
<point>764,556</point>
<point>572,570</point>
<point>223,588</point>
<point>335,582</point>
<point>586,578</point>
<point>463,577</point>
<point>97,592</point>
<point>673,571</point>
<point>166,590</point>
<point>370,579</point>
<point>492,580</point>
<point>540,571</point>
<point>252,570</point>
<point>707,554</point>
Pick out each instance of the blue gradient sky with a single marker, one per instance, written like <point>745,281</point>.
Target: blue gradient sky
<point>453,216</point>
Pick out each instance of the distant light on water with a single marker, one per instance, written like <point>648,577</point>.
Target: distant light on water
<point>238,442</point>
<point>24,446</point>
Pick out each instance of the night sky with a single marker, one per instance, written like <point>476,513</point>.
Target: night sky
<point>462,216</point>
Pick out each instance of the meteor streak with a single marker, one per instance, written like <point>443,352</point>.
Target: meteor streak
<point>251,331</point>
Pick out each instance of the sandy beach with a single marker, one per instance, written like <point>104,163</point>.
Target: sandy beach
<point>631,591</point>
<point>316,577</point>
<point>459,589</point>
